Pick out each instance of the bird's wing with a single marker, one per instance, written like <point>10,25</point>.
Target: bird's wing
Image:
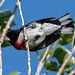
<point>39,21</point>
<point>48,41</point>
<point>49,28</point>
<point>46,20</point>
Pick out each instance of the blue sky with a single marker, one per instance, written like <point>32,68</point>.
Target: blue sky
<point>14,60</point>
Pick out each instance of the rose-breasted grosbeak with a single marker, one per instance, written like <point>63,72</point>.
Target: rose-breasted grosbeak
<point>41,33</point>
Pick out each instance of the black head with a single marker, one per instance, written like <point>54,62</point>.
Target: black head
<point>13,36</point>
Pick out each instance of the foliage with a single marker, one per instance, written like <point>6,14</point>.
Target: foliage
<point>73,22</point>
<point>5,44</point>
<point>60,53</point>
<point>4,16</point>
<point>66,39</point>
<point>15,73</point>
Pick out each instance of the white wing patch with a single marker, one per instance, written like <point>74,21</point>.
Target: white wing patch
<point>31,32</point>
<point>49,28</point>
<point>21,37</point>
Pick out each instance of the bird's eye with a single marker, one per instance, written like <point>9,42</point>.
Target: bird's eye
<point>33,25</point>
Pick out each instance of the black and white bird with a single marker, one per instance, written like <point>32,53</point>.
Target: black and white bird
<point>40,33</point>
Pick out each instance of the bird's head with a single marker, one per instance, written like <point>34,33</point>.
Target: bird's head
<point>12,36</point>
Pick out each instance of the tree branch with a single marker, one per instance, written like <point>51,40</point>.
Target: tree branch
<point>65,62</point>
<point>0,60</point>
<point>72,72</point>
<point>4,33</point>
<point>8,23</point>
<point>68,58</point>
<point>46,72</point>
<point>41,63</point>
<point>26,39</point>
<point>73,41</point>
<point>2,2</point>
<point>55,43</point>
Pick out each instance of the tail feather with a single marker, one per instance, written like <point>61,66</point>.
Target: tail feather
<point>67,30</point>
<point>65,17</point>
<point>66,24</point>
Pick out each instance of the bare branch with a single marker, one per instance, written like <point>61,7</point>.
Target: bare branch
<point>8,23</point>
<point>41,63</point>
<point>65,62</point>
<point>0,60</point>
<point>21,13</point>
<point>73,41</point>
<point>27,43</point>
<point>2,2</point>
<point>72,72</point>
<point>46,72</point>
<point>4,33</point>
<point>55,43</point>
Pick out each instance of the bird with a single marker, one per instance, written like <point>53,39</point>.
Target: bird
<point>40,33</point>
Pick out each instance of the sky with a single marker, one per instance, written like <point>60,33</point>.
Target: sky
<point>14,60</point>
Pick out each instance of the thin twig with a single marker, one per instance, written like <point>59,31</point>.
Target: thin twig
<point>55,43</point>
<point>2,2</point>
<point>21,13</point>
<point>65,62</point>
<point>27,43</point>
<point>4,33</point>
<point>8,23</point>
<point>73,41</point>
<point>46,72</point>
<point>41,63</point>
<point>72,72</point>
<point>0,60</point>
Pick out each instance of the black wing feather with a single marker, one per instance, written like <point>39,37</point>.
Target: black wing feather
<point>47,20</point>
<point>48,41</point>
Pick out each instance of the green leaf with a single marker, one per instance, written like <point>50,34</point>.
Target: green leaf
<point>5,20</point>
<point>37,53</point>
<point>15,73</point>
<point>5,13</point>
<point>60,53</point>
<point>4,16</point>
<point>73,22</point>
<point>66,39</point>
<point>47,65</point>
<point>52,66</point>
<point>5,44</point>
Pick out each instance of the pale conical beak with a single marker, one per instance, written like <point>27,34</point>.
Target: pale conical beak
<point>6,38</point>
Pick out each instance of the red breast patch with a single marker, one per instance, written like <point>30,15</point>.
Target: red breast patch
<point>19,46</point>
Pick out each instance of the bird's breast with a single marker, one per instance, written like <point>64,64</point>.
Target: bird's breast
<point>19,46</point>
